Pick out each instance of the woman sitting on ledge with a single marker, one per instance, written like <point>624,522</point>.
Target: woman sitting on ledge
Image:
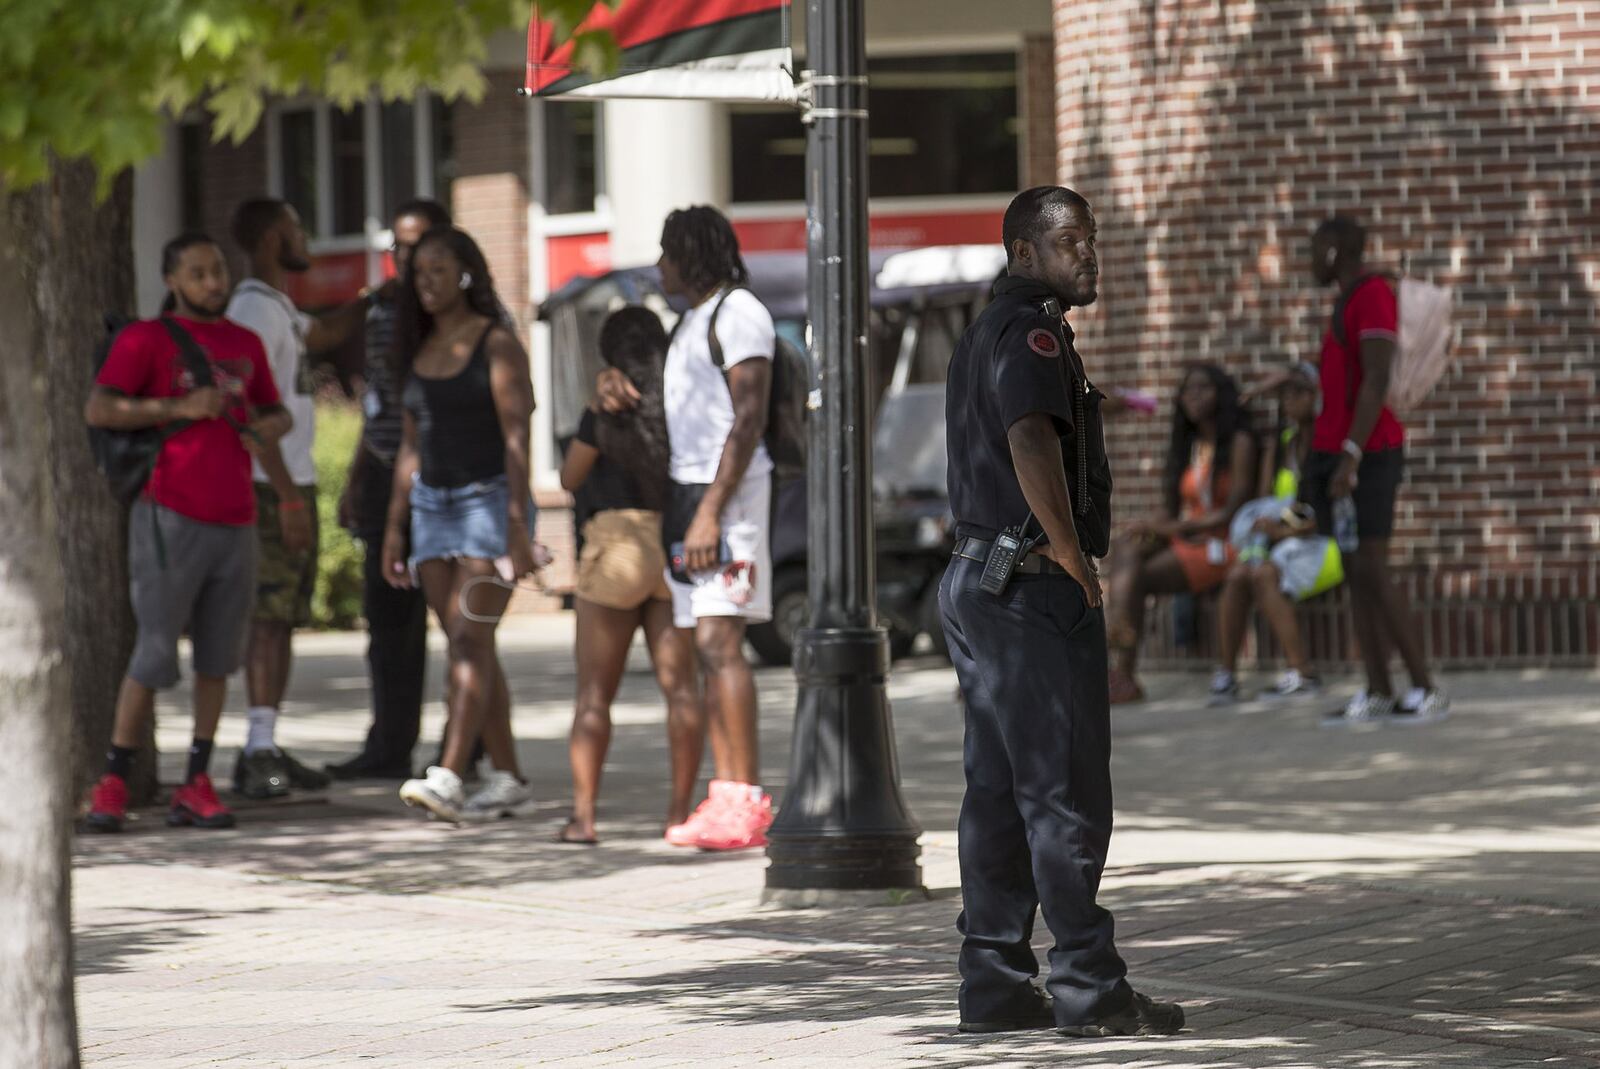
<point>1210,472</point>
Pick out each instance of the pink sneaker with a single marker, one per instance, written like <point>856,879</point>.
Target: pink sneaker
<point>717,798</point>
<point>741,825</point>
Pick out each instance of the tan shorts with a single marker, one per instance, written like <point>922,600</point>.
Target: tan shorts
<point>622,565</point>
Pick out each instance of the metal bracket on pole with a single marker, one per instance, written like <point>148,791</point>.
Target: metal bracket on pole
<point>810,80</point>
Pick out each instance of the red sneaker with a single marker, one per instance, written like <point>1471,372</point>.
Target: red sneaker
<point>108,805</point>
<point>719,796</point>
<point>741,824</point>
<point>196,804</point>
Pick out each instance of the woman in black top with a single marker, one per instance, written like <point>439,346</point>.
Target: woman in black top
<point>461,495</point>
<point>621,463</point>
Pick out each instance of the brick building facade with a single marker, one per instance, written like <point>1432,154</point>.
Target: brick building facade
<point>1211,137</point>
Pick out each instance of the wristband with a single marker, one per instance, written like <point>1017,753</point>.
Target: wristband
<point>1353,450</point>
<point>295,505</point>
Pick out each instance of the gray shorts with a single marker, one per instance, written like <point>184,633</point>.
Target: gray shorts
<point>207,587</point>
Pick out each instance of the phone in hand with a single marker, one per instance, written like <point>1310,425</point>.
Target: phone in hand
<point>676,564</point>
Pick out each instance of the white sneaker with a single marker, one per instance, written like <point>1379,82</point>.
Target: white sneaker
<point>502,795</point>
<point>1361,711</point>
<point>439,792</point>
<point>1421,707</point>
<point>1224,688</point>
<point>1293,684</point>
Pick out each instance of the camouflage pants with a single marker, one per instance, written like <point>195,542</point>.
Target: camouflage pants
<point>284,580</point>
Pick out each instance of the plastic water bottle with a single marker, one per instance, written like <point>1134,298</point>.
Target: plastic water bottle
<point>1344,525</point>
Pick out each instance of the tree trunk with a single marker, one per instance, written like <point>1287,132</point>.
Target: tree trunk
<point>81,257</point>
<point>38,1025</point>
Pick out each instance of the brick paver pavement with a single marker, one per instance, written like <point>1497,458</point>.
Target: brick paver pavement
<point>1384,900</point>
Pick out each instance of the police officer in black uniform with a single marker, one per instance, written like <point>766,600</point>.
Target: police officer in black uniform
<point>1030,489</point>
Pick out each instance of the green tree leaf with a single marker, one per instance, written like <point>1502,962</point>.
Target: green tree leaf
<point>97,81</point>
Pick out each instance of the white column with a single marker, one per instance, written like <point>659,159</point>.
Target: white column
<point>661,155</point>
<point>546,460</point>
<point>157,218</point>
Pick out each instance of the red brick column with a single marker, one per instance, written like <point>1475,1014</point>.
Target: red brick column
<point>489,198</point>
<point>1036,99</point>
<point>1212,137</point>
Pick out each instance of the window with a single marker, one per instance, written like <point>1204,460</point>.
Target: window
<point>299,167</point>
<point>397,138</point>
<point>191,175</point>
<point>325,157</point>
<point>571,156</point>
<point>443,142</point>
<point>940,125</point>
<point>349,161</point>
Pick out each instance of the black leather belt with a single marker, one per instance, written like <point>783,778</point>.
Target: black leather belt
<point>1035,563</point>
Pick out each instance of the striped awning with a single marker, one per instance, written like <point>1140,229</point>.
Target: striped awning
<point>676,49</point>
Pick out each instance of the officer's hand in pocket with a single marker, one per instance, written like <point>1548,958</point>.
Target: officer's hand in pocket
<point>1077,566</point>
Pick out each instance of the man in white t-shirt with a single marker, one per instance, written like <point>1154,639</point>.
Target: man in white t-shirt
<point>717,525</point>
<point>270,234</point>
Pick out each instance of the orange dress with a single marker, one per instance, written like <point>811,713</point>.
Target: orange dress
<point>1207,556</point>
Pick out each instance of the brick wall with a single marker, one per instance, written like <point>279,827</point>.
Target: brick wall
<point>233,174</point>
<point>489,197</point>
<point>1036,100</point>
<point>1211,137</point>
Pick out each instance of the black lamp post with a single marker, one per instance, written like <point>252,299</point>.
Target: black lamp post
<point>844,825</point>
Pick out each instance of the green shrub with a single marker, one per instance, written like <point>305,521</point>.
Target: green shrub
<point>336,604</point>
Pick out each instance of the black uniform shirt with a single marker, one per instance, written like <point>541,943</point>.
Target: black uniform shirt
<point>1013,361</point>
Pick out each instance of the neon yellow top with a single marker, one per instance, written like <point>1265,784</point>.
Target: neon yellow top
<point>1287,482</point>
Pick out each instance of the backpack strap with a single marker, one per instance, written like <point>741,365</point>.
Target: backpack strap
<point>711,328</point>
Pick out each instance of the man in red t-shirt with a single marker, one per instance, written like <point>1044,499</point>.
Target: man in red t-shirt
<point>1357,455</point>
<point>192,534</point>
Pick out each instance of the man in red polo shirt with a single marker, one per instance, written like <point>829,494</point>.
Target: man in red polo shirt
<point>192,534</point>
<point>1357,454</point>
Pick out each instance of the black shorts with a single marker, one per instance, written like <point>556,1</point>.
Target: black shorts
<point>1377,483</point>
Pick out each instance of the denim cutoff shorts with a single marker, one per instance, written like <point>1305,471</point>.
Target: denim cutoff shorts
<point>449,522</point>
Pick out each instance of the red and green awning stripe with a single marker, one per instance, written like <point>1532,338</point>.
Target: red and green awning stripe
<point>729,49</point>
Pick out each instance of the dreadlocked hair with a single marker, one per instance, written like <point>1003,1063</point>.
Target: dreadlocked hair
<point>633,341</point>
<point>701,242</point>
<point>1231,418</point>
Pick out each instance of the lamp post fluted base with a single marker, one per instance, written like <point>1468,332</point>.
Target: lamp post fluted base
<point>844,825</point>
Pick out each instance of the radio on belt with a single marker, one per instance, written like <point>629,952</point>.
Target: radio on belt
<point>1008,548</point>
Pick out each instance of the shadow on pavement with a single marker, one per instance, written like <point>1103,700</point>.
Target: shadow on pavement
<point>1396,968</point>
<point>112,948</point>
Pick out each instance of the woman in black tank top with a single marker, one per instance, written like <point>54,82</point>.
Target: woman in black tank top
<point>460,519</point>
<point>459,440</point>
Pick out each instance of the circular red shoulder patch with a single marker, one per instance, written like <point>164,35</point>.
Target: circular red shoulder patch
<point>1044,343</point>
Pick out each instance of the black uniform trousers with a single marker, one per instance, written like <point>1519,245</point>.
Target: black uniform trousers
<point>397,634</point>
<point>1036,819</point>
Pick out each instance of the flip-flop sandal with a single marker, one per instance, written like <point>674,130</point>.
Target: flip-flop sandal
<point>563,839</point>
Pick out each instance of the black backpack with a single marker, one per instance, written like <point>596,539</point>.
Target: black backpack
<point>792,382</point>
<point>128,458</point>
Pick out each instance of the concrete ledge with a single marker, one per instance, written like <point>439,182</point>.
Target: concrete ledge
<point>773,898</point>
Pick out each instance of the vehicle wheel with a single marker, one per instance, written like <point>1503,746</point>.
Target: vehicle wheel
<point>774,641</point>
<point>931,622</point>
